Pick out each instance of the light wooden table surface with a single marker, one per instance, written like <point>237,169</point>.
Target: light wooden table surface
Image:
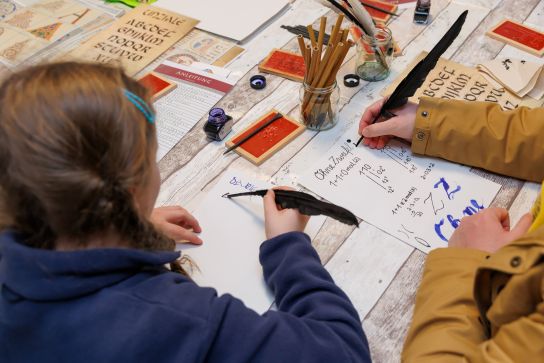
<point>379,273</point>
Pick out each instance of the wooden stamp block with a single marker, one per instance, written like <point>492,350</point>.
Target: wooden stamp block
<point>378,16</point>
<point>269,140</point>
<point>519,36</point>
<point>284,64</point>
<point>159,86</point>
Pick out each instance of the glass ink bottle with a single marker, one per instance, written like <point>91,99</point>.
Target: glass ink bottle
<point>421,12</point>
<point>219,124</point>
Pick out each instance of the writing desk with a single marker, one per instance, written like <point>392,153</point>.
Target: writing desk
<point>380,278</point>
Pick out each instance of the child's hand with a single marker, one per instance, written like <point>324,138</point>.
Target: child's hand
<point>176,223</point>
<point>278,221</point>
<point>378,134</point>
<point>489,230</point>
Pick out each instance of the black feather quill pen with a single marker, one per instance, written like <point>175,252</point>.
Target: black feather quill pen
<point>417,75</point>
<point>306,204</point>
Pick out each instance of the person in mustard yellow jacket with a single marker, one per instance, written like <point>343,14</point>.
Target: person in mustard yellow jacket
<point>482,298</point>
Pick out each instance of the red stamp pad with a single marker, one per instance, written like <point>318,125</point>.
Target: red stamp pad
<point>377,15</point>
<point>159,86</point>
<point>284,64</point>
<point>519,36</point>
<point>267,141</point>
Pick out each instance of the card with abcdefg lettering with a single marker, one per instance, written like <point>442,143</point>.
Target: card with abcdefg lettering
<point>519,36</point>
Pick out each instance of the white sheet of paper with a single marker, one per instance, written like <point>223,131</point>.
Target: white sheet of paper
<point>232,231</point>
<point>416,199</point>
<point>197,92</point>
<point>235,19</point>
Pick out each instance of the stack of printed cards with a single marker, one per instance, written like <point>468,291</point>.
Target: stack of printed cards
<point>519,76</point>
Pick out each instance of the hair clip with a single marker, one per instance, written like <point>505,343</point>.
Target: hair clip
<point>140,105</point>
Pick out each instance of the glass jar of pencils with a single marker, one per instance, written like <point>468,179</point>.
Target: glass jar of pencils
<point>374,55</point>
<point>319,106</point>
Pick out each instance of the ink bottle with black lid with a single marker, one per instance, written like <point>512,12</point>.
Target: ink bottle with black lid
<point>219,124</point>
<point>422,11</point>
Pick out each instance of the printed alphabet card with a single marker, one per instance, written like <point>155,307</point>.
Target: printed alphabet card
<point>136,39</point>
<point>455,81</point>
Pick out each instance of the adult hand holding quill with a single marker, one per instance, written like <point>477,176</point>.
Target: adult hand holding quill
<point>376,135</point>
<point>279,221</point>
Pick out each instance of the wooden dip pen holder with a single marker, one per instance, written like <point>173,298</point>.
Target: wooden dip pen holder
<point>319,94</point>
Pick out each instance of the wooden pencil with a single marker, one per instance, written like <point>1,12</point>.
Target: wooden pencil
<point>321,69</point>
<point>312,36</point>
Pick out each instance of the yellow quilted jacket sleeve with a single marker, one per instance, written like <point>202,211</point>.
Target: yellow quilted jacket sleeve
<point>446,322</point>
<point>447,326</point>
<point>481,134</point>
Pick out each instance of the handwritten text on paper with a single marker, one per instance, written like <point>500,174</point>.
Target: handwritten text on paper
<point>418,200</point>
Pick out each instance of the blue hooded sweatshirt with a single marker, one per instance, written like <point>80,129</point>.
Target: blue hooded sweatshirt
<point>123,305</point>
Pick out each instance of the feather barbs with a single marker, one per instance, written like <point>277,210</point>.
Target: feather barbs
<point>306,204</point>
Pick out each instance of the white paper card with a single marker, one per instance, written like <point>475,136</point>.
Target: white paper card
<point>235,19</point>
<point>232,231</point>
<point>416,199</point>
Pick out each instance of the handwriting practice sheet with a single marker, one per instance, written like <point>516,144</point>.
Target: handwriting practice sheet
<point>418,200</point>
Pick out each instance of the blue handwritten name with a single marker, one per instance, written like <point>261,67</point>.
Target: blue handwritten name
<point>471,209</point>
<point>238,182</point>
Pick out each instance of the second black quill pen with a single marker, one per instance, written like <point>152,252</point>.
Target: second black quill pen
<point>417,75</point>
<point>306,204</point>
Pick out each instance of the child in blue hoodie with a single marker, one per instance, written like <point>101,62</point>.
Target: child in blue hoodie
<point>83,256</point>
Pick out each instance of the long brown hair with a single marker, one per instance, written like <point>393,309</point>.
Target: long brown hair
<point>72,148</point>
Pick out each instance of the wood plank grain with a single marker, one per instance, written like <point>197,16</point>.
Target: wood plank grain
<point>365,265</point>
<point>534,20</point>
<point>404,29</point>
<point>403,295</point>
<point>330,238</point>
<point>524,201</point>
<point>387,323</point>
<point>509,187</point>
